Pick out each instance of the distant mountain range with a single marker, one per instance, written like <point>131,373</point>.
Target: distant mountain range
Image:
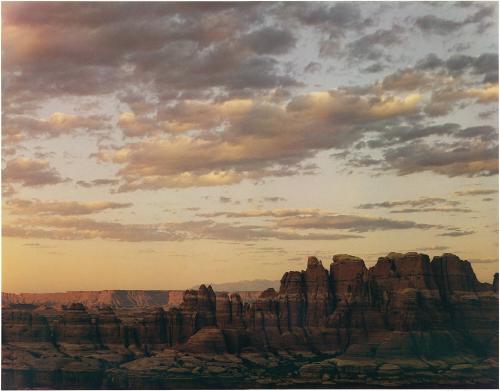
<point>114,298</point>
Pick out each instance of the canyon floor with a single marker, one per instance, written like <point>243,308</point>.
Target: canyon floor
<point>407,322</point>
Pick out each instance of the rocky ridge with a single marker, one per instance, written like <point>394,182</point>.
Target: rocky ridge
<point>112,298</point>
<point>407,321</point>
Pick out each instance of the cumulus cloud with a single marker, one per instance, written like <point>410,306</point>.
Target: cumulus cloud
<point>211,100</point>
<point>17,128</point>
<point>257,139</point>
<point>31,172</point>
<point>132,45</point>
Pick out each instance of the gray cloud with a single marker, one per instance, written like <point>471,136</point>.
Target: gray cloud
<point>318,219</point>
<point>312,67</point>
<point>213,103</point>
<point>484,64</point>
<point>450,160</point>
<point>421,202</point>
<point>375,68</point>
<point>429,62</point>
<point>334,19</point>
<point>270,40</point>
<point>370,46</point>
<point>436,25</point>
<point>349,222</point>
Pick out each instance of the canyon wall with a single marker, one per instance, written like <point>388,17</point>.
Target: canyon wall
<point>406,307</point>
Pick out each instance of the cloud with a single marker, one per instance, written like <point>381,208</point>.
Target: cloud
<point>308,218</point>
<point>334,19</point>
<point>209,229</point>
<point>61,208</point>
<point>270,40</point>
<point>434,248</point>
<point>274,199</point>
<point>31,172</point>
<point>456,232</point>
<point>403,134</point>
<point>429,62</point>
<point>370,46</point>
<point>485,64</point>
<point>437,25</point>
<point>97,182</point>
<point>437,209</point>
<point>421,202</point>
<point>285,212</point>
<point>16,128</point>
<point>7,190</point>
<point>349,222</point>
<point>476,192</point>
<point>205,96</point>
<point>244,139</point>
<point>405,80</point>
<point>471,160</point>
<point>312,67</point>
<point>375,68</point>
<point>77,228</point>
<point>132,125</point>
<point>130,45</point>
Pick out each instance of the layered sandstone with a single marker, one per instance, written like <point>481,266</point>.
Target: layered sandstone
<point>404,319</point>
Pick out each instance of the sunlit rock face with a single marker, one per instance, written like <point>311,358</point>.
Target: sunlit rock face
<point>378,324</point>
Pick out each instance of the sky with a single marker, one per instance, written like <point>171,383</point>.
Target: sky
<point>162,145</point>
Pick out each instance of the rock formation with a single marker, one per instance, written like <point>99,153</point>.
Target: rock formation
<point>405,321</point>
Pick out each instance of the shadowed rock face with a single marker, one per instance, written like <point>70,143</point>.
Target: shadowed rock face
<point>404,312</point>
